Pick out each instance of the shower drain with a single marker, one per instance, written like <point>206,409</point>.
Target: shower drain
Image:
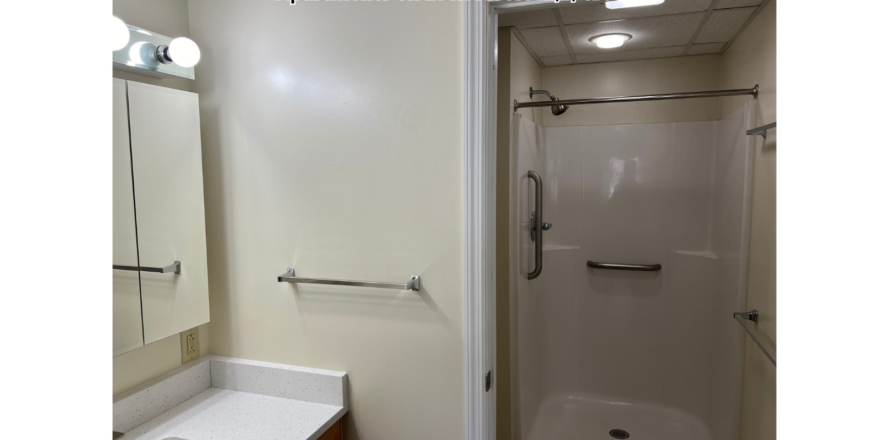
<point>618,433</point>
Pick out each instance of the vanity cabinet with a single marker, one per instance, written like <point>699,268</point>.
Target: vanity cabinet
<point>163,203</point>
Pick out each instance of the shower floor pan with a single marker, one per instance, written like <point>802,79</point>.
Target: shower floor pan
<point>583,417</point>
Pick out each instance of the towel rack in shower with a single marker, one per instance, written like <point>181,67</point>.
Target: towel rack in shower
<point>414,283</point>
<point>741,318</point>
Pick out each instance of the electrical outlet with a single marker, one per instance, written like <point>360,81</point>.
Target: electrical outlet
<point>189,345</point>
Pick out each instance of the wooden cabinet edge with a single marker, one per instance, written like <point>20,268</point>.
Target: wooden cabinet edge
<point>334,432</point>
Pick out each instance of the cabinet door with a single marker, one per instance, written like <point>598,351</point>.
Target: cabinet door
<point>169,199</point>
<point>127,327</point>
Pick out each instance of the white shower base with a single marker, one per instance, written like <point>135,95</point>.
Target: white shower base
<point>585,417</point>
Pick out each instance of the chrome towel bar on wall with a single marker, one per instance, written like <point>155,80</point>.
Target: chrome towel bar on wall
<point>620,266</point>
<point>414,283</point>
<point>175,267</point>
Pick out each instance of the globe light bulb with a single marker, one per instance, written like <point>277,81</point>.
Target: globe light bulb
<point>119,34</point>
<point>184,52</point>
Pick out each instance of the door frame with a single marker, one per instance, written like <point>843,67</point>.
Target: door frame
<point>480,112</point>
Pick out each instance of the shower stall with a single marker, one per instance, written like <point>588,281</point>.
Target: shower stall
<point>628,266</point>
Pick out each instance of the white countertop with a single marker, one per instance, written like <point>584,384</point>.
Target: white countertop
<point>222,398</point>
<point>225,414</point>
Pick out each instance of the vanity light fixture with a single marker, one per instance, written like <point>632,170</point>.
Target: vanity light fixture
<point>181,51</point>
<point>119,33</point>
<point>618,4</point>
<point>610,41</point>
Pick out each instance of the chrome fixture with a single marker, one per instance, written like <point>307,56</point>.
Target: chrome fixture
<point>162,54</point>
<point>414,283</point>
<point>762,130</point>
<point>741,318</point>
<point>537,216</point>
<point>620,266</point>
<point>555,109</point>
<point>533,226</point>
<point>175,267</point>
<point>688,95</point>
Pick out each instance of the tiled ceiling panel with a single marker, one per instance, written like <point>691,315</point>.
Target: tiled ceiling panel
<point>560,35</point>
<point>700,49</point>
<point>545,41</point>
<point>669,30</point>
<point>597,11</point>
<point>724,24</point>
<point>643,54</point>
<point>725,4</point>
<point>528,20</point>
<point>563,60</point>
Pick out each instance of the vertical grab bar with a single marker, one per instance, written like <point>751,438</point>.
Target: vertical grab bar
<point>539,221</point>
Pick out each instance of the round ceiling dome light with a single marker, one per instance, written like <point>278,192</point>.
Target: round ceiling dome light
<point>610,41</point>
<point>119,34</point>
<point>618,4</point>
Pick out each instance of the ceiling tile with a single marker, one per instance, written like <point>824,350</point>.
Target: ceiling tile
<point>700,49</point>
<point>545,42</point>
<point>725,4</point>
<point>671,30</point>
<point>598,12</point>
<point>724,24</point>
<point>529,19</point>
<point>556,61</point>
<point>642,54</point>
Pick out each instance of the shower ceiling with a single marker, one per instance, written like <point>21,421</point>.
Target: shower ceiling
<point>560,36</point>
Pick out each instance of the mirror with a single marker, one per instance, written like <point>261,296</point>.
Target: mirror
<point>160,273</point>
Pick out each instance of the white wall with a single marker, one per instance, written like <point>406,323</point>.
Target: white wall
<point>332,142</point>
<point>525,72</point>
<point>626,78</point>
<point>752,60</point>
<point>169,18</point>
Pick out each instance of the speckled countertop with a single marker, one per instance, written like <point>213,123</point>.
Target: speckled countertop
<point>222,398</point>
<point>227,414</point>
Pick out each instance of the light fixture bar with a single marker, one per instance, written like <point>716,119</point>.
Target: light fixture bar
<point>141,56</point>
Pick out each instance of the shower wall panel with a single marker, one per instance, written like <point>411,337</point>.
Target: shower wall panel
<point>674,194</point>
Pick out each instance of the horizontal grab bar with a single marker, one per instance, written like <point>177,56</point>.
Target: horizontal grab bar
<point>761,131</point>
<point>619,266</point>
<point>175,267</point>
<point>741,318</point>
<point>415,283</point>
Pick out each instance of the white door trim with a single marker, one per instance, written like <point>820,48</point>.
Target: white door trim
<point>480,56</point>
<point>479,227</point>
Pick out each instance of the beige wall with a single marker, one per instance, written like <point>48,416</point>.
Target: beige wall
<point>503,415</point>
<point>525,73</point>
<point>169,18</point>
<point>752,60</point>
<point>665,75</point>
<point>332,143</point>
<point>144,364</point>
<point>166,17</point>
<point>517,71</point>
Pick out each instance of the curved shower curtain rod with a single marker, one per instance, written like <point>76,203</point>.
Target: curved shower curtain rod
<point>735,92</point>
